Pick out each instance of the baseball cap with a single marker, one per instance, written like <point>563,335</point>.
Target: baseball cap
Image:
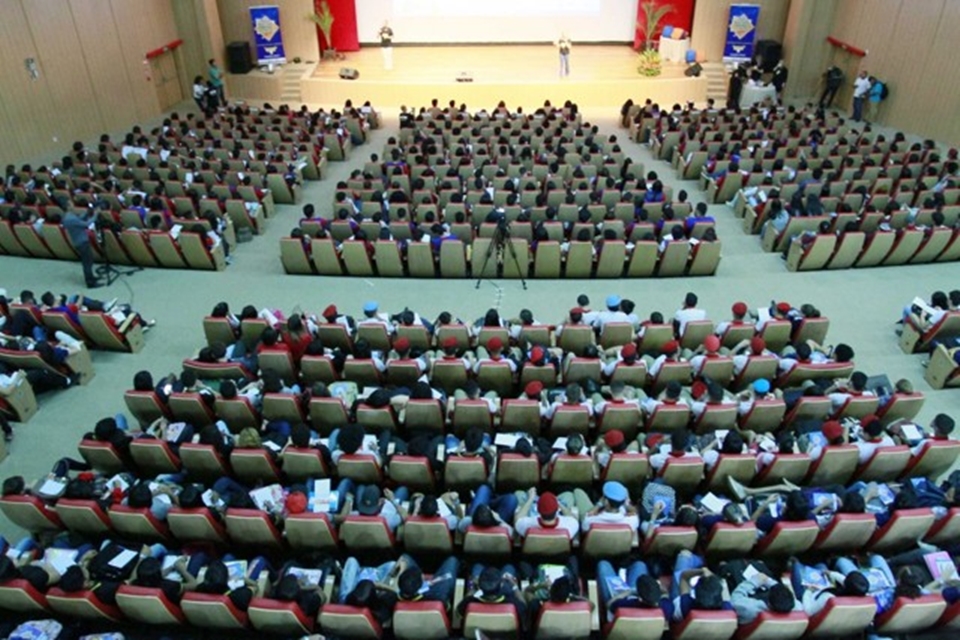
<point>494,344</point>
<point>669,347</point>
<point>547,504</point>
<point>296,502</point>
<point>698,389</point>
<point>370,307</point>
<point>832,430</point>
<point>629,350</point>
<point>401,344</point>
<point>449,342</point>
<point>330,311</point>
<point>711,343</point>
<point>757,344</point>
<point>614,491</point>
<point>613,438</point>
<point>761,385</point>
<point>739,308</point>
<point>613,301</point>
<point>534,387</point>
<point>368,500</point>
<point>536,354</point>
<point>783,307</point>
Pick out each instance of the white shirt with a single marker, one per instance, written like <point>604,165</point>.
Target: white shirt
<point>868,448</point>
<point>683,316</point>
<point>611,517</point>
<point>861,86</point>
<point>568,523</point>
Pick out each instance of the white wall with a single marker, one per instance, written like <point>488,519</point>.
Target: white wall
<point>449,21</point>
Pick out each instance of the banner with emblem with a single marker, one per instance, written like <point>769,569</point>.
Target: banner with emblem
<point>266,33</point>
<point>741,32</point>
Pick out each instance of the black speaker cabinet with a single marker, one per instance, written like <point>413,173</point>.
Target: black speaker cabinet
<point>347,73</point>
<point>693,71</point>
<point>768,53</point>
<point>239,59</point>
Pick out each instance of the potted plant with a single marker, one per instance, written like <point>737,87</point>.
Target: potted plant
<point>323,18</point>
<point>653,15</point>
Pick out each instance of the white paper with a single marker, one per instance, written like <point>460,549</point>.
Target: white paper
<point>910,432</point>
<point>714,503</point>
<point>312,576</point>
<point>508,440</point>
<point>169,572</point>
<point>238,571</point>
<point>61,559</point>
<point>121,560</point>
<point>268,498</point>
<point>51,488</point>
<point>560,443</point>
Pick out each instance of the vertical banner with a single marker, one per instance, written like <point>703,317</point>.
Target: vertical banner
<point>266,34</point>
<point>741,32</point>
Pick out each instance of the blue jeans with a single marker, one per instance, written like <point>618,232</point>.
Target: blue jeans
<point>875,561</point>
<point>228,487</point>
<point>798,573</point>
<point>508,570</point>
<point>351,576</point>
<point>605,572</point>
<point>858,109</point>
<point>441,590</point>
<point>685,562</point>
<point>505,505</point>
<point>564,64</point>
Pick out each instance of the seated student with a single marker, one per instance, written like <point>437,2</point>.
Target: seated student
<point>574,449</point>
<point>151,574</point>
<point>676,445</point>
<point>626,356</point>
<point>745,350</point>
<point>366,500</point>
<point>550,514</point>
<point>709,350</point>
<point>871,437</point>
<point>490,585</point>
<point>562,589</point>
<point>669,352</point>
<point>639,590</point>
<point>712,447</point>
<point>99,571</point>
<point>940,429</point>
<point>475,443</point>
<point>814,586</point>
<point>489,511</point>
<point>758,594</point>
<point>739,312</point>
<point>614,506</point>
<point>350,440</point>
<point>671,396</point>
<point>884,586</point>
<point>572,396</point>
<point>617,395</point>
<point>412,587</point>
<point>841,391</point>
<point>216,581</point>
<point>658,507</point>
<point>294,586</point>
<point>447,507</point>
<point>924,318</point>
<point>695,587</point>
<point>611,442</point>
<point>158,497</point>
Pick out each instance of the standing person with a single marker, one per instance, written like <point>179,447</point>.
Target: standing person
<point>199,93</point>
<point>386,45</point>
<point>779,80</point>
<point>215,75</point>
<point>78,227</point>
<point>874,96</point>
<point>735,88</point>
<point>212,102</point>
<point>563,47</point>
<point>861,87</point>
<point>833,79</point>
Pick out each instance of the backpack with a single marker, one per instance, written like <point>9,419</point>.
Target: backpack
<point>884,90</point>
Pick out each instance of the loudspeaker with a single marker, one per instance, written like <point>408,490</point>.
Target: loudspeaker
<point>693,71</point>
<point>238,57</point>
<point>346,73</point>
<point>768,53</point>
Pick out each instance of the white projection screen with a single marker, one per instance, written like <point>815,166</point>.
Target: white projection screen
<point>477,21</point>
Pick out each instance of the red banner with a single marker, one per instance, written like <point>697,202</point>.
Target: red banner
<point>681,16</point>
<point>344,30</point>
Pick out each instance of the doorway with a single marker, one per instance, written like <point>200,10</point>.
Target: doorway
<point>166,79</point>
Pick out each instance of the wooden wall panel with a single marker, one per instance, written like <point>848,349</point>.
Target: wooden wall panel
<point>299,34</point>
<point>143,26</point>
<point>100,47</point>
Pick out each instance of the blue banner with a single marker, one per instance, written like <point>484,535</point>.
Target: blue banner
<point>741,32</point>
<point>266,33</point>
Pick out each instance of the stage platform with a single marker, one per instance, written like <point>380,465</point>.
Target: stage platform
<point>524,75</point>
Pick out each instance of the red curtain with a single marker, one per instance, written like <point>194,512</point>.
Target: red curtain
<point>344,32</point>
<point>681,16</point>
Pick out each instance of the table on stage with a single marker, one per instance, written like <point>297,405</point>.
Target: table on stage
<point>674,50</point>
<point>751,94</point>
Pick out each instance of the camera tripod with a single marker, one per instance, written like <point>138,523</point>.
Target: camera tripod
<point>107,270</point>
<point>499,245</point>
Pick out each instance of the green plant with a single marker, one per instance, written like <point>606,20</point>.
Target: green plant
<point>323,18</point>
<point>650,63</point>
<point>653,14</point>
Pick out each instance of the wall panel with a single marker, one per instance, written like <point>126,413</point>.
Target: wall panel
<point>299,33</point>
<point>143,26</point>
<point>710,18</point>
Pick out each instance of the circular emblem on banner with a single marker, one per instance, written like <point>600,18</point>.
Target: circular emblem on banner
<point>741,25</point>
<point>266,27</point>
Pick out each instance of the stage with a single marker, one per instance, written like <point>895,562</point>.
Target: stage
<point>526,75</point>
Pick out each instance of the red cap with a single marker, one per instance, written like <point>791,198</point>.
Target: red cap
<point>330,311</point>
<point>783,307</point>
<point>669,347</point>
<point>613,438</point>
<point>86,476</point>
<point>698,389</point>
<point>448,343</point>
<point>534,387</point>
<point>867,419</point>
<point>536,354</point>
<point>296,502</point>
<point>739,308</point>
<point>494,344</point>
<point>547,505</point>
<point>757,345</point>
<point>629,350</point>
<point>711,344</point>
<point>832,430</point>
<point>577,310</point>
<point>401,344</point>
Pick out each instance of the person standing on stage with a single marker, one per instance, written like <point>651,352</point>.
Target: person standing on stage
<point>861,87</point>
<point>779,80</point>
<point>386,45</point>
<point>563,47</point>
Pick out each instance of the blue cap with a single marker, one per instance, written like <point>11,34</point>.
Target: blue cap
<point>370,307</point>
<point>761,385</point>
<point>613,301</point>
<point>614,491</point>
